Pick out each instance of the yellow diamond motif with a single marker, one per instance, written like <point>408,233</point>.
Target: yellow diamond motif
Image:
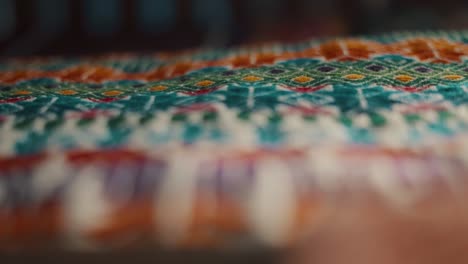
<point>23,92</point>
<point>303,79</point>
<point>404,78</point>
<point>354,76</point>
<point>204,83</point>
<point>67,92</point>
<point>158,88</point>
<point>112,93</point>
<point>453,77</point>
<point>252,78</point>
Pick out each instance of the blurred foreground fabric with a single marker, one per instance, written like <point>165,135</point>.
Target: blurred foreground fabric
<point>239,148</point>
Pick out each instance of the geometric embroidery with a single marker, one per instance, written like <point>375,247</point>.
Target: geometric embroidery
<point>358,95</point>
<point>206,131</point>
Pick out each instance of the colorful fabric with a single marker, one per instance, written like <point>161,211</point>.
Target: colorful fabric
<point>212,147</point>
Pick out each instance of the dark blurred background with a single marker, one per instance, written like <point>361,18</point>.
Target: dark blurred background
<point>71,27</point>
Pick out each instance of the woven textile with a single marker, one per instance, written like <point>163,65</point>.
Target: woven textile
<point>212,147</point>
